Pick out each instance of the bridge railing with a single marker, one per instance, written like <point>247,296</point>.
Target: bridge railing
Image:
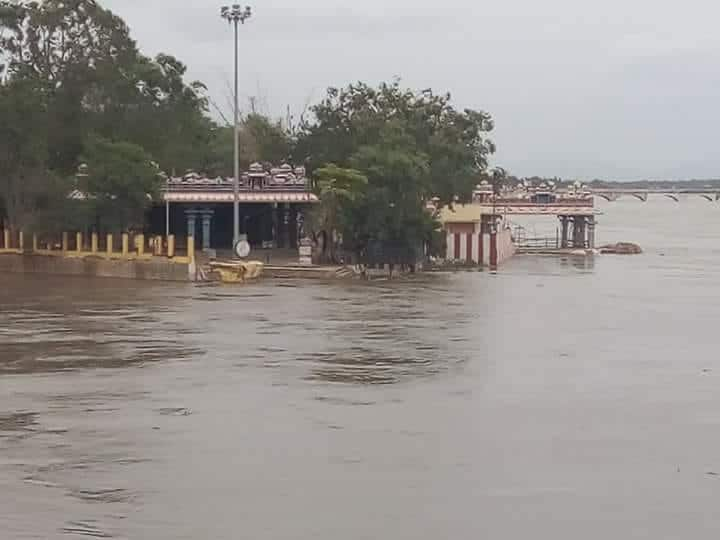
<point>540,243</point>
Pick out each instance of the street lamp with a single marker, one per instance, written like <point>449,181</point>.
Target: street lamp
<point>236,15</point>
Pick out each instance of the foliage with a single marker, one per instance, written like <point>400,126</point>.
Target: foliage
<point>339,191</point>
<point>120,184</point>
<point>261,140</point>
<point>24,179</point>
<point>411,146</point>
<point>71,77</point>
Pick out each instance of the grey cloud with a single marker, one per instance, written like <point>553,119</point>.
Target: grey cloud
<point>614,89</point>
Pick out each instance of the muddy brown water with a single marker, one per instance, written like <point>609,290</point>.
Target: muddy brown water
<point>558,399</point>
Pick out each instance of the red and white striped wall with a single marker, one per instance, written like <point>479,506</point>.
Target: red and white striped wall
<point>466,244</point>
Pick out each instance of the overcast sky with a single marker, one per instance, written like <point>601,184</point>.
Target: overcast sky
<point>620,89</point>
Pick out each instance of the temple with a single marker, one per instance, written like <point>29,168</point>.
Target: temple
<point>273,204</point>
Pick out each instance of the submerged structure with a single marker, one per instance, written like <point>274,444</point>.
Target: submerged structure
<point>273,203</point>
<point>481,232</point>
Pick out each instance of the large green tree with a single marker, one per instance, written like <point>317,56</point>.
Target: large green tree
<point>261,140</point>
<point>72,66</point>
<point>412,146</point>
<point>119,183</point>
<point>340,191</point>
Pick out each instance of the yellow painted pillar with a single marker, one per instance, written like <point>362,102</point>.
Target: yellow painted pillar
<point>94,243</point>
<point>125,245</point>
<point>35,243</point>
<point>21,241</point>
<point>78,242</point>
<point>64,242</point>
<point>171,246</point>
<point>191,248</point>
<point>109,245</point>
<point>140,240</point>
<point>6,238</point>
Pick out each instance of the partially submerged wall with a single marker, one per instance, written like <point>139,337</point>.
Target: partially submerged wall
<point>152,269</point>
<point>466,244</point>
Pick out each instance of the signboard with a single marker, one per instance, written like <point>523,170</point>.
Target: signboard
<point>242,249</point>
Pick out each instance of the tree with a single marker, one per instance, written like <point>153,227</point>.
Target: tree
<point>23,152</point>
<point>120,184</point>
<point>339,190</point>
<point>71,76</point>
<point>411,146</point>
<point>261,140</point>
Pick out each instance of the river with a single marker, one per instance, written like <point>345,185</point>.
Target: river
<point>557,399</point>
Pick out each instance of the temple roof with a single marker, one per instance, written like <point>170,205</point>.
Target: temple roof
<point>256,178</point>
<point>208,196</point>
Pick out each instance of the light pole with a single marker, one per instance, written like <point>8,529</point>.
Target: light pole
<point>236,15</point>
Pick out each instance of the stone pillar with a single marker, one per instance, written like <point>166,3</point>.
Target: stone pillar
<point>578,232</point>
<point>191,217</point>
<point>293,228</point>
<point>286,225</point>
<point>269,224</point>
<point>300,224</point>
<point>591,232</point>
<point>277,225</point>
<point>207,216</point>
<point>564,232</point>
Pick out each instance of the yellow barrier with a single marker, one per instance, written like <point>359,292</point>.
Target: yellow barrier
<point>158,246</point>
<point>140,242</point>
<point>15,243</point>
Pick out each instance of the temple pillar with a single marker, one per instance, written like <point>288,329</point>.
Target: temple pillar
<point>293,228</point>
<point>591,232</point>
<point>564,231</point>
<point>286,225</point>
<point>275,229</point>
<point>278,226</point>
<point>300,224</point>
<point>207,216</point>
<point>191,217</point>
<point>578,232</point>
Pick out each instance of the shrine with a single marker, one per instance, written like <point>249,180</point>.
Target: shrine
<point>273,202</point>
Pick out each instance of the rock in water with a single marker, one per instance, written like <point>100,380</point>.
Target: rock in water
<point>622,248</point>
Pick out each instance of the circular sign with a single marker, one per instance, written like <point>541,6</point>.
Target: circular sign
<point>242,249</point>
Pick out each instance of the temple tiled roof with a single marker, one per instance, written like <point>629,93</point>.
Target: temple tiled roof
<point>256,178</point>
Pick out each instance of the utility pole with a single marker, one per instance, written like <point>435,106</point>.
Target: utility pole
<point>236,15</point>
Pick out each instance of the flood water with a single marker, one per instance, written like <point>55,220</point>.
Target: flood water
<point>558,399</point>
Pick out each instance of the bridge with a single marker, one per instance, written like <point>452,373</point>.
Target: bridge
<point>613,194</point>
